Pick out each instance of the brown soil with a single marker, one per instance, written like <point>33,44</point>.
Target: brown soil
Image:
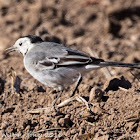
<point>109,28</point>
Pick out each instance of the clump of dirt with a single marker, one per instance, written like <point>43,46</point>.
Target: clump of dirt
<point>109,28</point>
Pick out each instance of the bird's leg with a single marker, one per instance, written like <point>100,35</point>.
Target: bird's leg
<point>55,101</point>
<point>79,80</point>
<point>48,109</point>
<point>73,93</point>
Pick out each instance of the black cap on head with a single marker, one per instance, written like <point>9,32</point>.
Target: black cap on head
<point>34,39</point>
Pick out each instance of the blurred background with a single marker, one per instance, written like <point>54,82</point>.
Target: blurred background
<point>110,28</point>
<point>106,26</point>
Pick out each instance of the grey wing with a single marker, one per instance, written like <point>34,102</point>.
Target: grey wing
<point>57,55</point>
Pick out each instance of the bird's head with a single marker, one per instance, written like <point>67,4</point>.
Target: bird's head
<point>24,44</point>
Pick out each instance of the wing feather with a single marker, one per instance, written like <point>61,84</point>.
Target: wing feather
<point>56,55</point>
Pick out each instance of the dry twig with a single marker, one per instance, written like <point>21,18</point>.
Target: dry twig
<point>64,103</point>
<point>15,81</point>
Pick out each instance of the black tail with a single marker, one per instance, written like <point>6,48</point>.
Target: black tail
<point>117,64</point>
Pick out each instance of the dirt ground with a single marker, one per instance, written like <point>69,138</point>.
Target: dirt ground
<point>109,28</point>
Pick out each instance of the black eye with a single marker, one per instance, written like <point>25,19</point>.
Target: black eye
<point>20,44</point>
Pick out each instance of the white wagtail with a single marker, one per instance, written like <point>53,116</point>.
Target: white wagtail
<point>56,65</point>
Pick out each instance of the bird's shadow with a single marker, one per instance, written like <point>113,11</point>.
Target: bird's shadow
<point>115,83</point>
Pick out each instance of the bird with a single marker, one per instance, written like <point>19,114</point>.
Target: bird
<point>56,65</point>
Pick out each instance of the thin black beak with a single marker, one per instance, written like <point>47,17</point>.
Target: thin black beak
<point>11,49</point>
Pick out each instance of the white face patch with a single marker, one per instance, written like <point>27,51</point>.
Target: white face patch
<point>22,45</point>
